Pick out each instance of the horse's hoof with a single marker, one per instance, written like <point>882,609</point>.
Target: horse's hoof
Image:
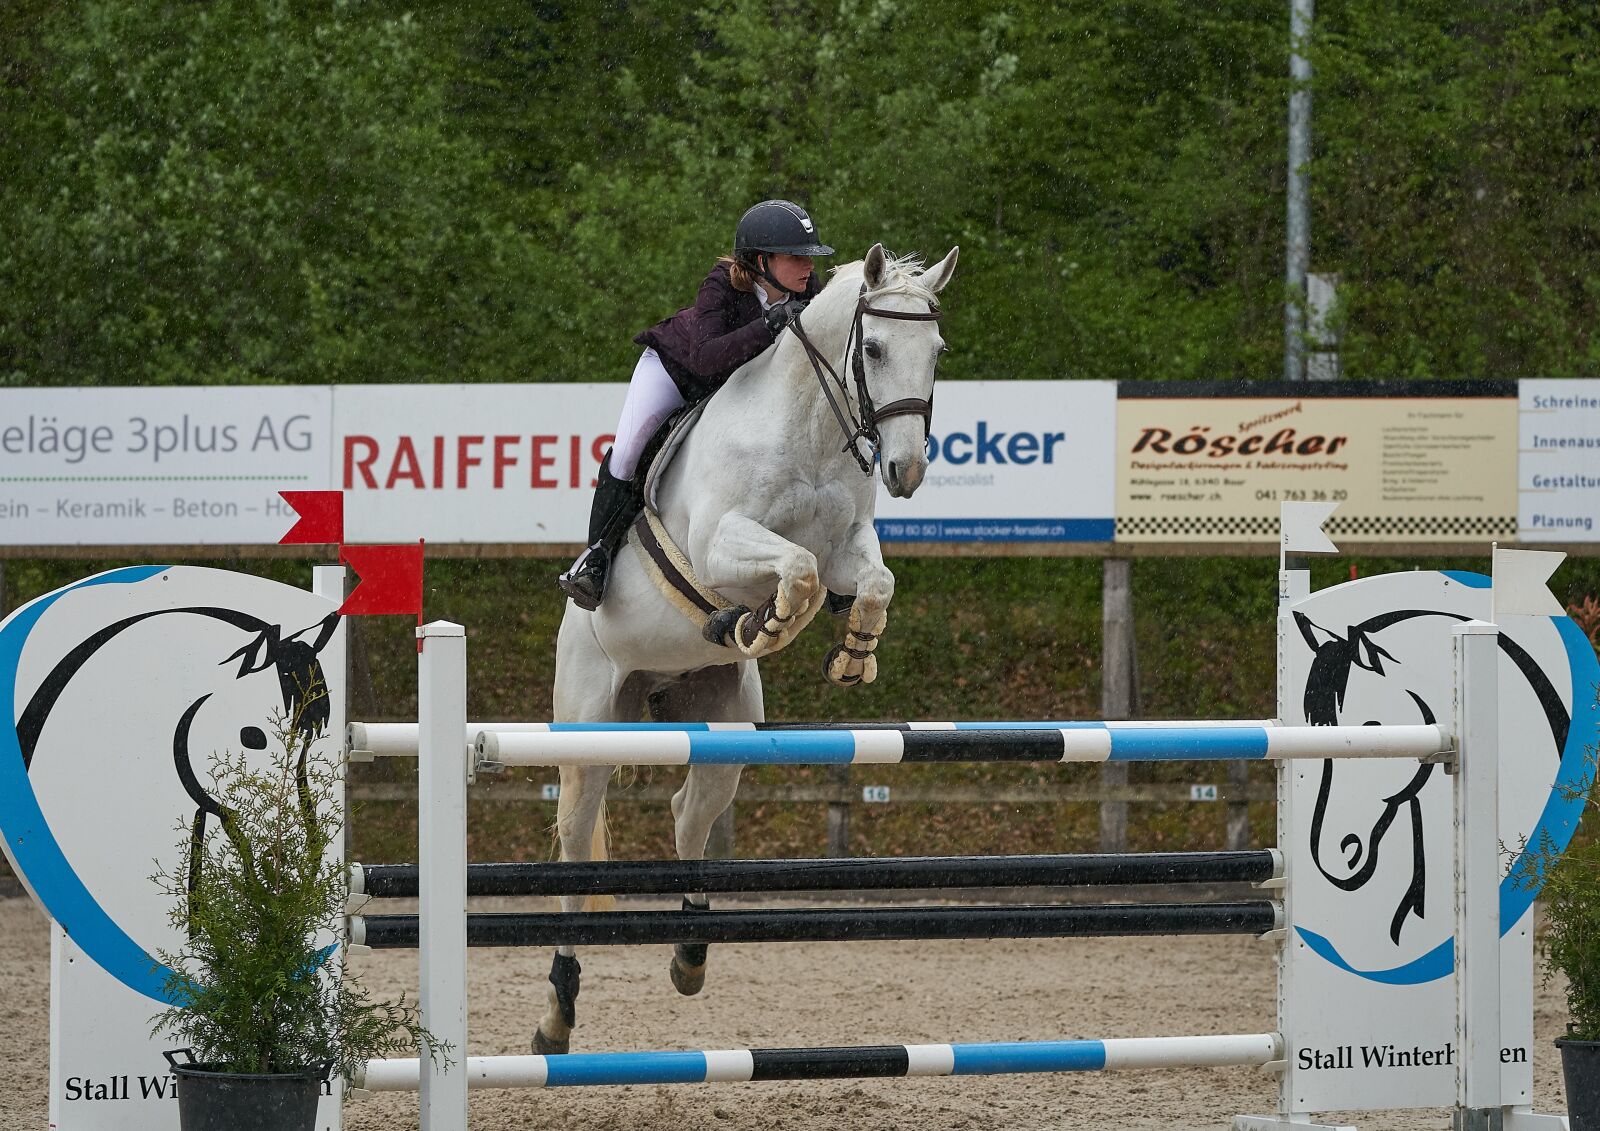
<point>836,668</point>
<point>688,981</point>
<point>549,1046</point>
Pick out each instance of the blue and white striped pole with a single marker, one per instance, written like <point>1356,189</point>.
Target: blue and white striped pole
<point>1086,742</point>
<point>366,741</point>
<point>734,1065</point>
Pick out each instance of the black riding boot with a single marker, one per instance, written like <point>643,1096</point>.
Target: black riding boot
<point>616,502</point>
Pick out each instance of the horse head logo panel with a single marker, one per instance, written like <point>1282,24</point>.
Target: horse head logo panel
<point>121,688</point>
<point>1378,855</point>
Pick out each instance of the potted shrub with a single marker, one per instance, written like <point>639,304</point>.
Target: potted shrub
<point>262,997</point>
<point>1569,888</point>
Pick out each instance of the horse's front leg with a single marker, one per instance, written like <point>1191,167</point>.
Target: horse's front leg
<point>746,555</point>
<point>858,568</point>
<point>707,790</point>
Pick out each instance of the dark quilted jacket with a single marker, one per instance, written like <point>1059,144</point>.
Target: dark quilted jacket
<point>701,345</point>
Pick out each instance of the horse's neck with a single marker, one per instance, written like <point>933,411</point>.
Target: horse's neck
<point>782,388</point>
<point>767,429</point>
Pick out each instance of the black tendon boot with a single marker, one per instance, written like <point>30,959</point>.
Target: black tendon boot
<point>616,502</point>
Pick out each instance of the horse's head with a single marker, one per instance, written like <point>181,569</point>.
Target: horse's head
<point>898,357</point>
<point>1372,823</point>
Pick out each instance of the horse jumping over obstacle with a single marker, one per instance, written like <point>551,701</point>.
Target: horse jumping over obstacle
<point>1466,1041</point>
<point>1440,1016</point>
<point>770,513</point>
<point>1442,1023</point>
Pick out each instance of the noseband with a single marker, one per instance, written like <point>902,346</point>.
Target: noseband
<point>866,427</point>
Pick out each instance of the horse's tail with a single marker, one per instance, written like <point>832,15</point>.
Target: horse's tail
<point>599,840</point>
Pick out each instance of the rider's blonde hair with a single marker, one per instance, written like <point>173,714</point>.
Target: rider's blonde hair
<point>742,278</point>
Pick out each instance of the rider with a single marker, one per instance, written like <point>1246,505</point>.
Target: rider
<point>743,304</point>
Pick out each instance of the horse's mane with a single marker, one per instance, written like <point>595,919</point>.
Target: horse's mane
<point>902,274</point>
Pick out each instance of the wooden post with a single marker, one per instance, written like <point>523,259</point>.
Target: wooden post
<point>839,815</point>
<point>1119,693</point>
<point>1238,806</point>
<point>362,691</point>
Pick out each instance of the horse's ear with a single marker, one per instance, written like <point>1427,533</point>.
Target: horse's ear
<point>872,270</point>
<point>1313,633</point>
<point>935,277</point>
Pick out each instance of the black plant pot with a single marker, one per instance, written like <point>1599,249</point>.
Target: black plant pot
<point>1580,1067</point>
<point>212,1100</point>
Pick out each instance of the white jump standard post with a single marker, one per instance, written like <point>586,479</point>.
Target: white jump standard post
<point>1477,909</point>
<point>442,797</point>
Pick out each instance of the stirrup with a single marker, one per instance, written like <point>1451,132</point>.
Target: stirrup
<point>586,585</point>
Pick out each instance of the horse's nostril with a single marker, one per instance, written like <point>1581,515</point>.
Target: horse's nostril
<point>894,472</point>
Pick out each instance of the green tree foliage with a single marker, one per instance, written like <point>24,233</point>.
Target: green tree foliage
<point>1137,193</point>
<point>1456,186</point>
<point>289,191</point>
<point>240,191</point>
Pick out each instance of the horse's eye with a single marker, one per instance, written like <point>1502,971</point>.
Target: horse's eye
<point>873,350</point>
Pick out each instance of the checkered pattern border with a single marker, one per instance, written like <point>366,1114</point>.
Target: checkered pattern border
<point>1442,528</point>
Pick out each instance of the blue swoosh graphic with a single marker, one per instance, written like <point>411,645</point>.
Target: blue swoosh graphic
<point>32,844</point>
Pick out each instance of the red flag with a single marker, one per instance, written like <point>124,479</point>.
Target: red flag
<point>321,516</point>
<point>389,580</point>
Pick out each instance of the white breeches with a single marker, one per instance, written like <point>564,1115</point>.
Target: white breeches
<point>652,397</point>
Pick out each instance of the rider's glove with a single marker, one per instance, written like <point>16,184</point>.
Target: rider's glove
<point>780,314</point>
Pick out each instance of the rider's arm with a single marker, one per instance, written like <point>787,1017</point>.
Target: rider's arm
<point>718,340</point>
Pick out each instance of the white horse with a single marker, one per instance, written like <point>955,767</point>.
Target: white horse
<point>771,508</point>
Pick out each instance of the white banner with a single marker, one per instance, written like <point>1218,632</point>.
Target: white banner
<point>470,463</point>
<point>122,688</point>
<point>144,467</point>
<point>1011,461</point>
<point>1558,462</point>
<point>1369,988</point>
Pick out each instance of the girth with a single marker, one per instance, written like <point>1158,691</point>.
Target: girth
<point>672,573</point>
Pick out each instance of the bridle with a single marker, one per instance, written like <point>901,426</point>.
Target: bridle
<point>866,426</point>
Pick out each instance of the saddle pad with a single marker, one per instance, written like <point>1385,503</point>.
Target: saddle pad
<point>660,459</point>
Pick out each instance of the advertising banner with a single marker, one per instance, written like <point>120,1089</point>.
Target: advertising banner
<point>1369,986</point>
<point>122,690</point>
<point>1558,462</point>
<point>1010,461</point>
<point>1013,461</point>
<point>166,466</point>
<point>471,463</point>
<point>1211,464</point>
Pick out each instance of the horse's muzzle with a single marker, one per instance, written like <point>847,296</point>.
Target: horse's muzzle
<point>903,479</point>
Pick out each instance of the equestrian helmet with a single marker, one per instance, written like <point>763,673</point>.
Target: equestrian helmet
<point>778,226</point>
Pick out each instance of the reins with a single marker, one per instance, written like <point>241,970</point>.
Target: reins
<point>866,426</point>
